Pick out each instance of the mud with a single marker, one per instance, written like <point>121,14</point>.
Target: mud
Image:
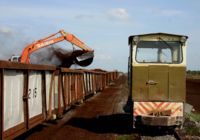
<point>101,117</point>
<point>67,58</point>
<point>60,57</point>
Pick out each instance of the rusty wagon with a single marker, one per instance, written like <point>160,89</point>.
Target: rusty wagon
<point>31,94</point>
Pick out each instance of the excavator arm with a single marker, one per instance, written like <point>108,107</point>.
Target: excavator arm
<point>55,38</point>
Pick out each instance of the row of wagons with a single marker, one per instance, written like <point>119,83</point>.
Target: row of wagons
<point>31,94</point>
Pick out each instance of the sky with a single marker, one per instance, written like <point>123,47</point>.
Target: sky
<point>103,25</point>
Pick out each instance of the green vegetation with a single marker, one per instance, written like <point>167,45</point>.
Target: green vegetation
<point>193,131</point>
<point>194,72</point>
<point>192,128</point>
<point>191,74</point>
<point>195,116</point>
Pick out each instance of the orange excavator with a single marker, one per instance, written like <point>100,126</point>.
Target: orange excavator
<point>83,57</point>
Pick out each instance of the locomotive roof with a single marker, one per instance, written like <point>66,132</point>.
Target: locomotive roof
<point>156,34</point>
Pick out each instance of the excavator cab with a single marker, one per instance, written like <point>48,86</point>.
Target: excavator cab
<point>15,58</point>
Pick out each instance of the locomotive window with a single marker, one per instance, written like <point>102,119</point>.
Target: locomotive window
<point>159,52</point>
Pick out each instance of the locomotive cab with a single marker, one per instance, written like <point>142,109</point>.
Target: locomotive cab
<point>157,70</point>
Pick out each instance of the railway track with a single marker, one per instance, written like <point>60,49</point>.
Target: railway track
<point>176,135</point>
<point>159,135</point>
<point>102,117</point>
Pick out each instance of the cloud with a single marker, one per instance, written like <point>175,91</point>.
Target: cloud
<point>84,16</point>
<point>167,12</point>
<point>9,42</point>
<point>6,31</point>
<point>118,14</point>
<point>172,12</point>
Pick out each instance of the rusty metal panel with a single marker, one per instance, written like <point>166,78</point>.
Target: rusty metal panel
<point>56,100</point>
<point>139,87</point>
<point>25,98</point>
<point>159,89</point>
<point>88,83</point>
<point>104,80</point>
<point>76,86</point>
<point>72,88</point>
<point>55,92</point>
<point>100,77</point>
<point>97,82</point>
<point>61,105</point>
<point>91,83</point>
<point>67,86</point>
<point>48,79</point>
<point>71,70</point>
<point>85,84</point>
<point>44,110</point>
<point>35,97</point>
<point>13,101</point>
<point>47,84</point>
<point>177,83</point>
<point>65,90</point>
<point>69,89</point>
<point>82,87</point>
<point>22,66</point>
<point>1,102</point>
<point>80,91</point>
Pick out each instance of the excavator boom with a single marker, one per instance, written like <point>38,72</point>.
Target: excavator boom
<point>55,38</point>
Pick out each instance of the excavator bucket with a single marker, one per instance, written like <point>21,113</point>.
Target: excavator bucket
<point>84,59</point>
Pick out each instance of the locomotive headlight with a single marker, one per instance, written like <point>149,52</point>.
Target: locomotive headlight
<point>136,39</point>
<point>183,39</point>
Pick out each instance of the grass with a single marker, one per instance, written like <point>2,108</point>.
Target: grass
<point>193,130</point>
<point>193,76</point>
<point>194,116</point>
